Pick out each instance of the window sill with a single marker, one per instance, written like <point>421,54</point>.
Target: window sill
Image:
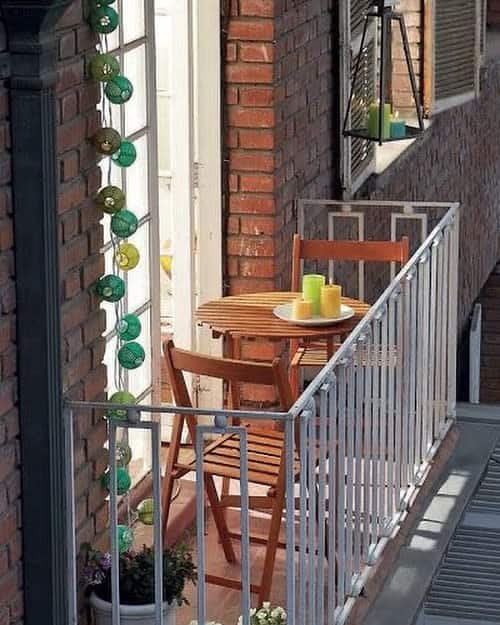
<point>388,153</point>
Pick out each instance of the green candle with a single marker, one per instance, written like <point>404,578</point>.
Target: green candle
<point>311,290</point>
<point>373,117</point>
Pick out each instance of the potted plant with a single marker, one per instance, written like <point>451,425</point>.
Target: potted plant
<point>137,594</point>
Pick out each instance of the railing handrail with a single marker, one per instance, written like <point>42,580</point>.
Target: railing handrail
<point>342,353</point>
<point>347,346</point>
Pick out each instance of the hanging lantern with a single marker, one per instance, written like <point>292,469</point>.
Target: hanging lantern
<point>379,124</point>
<point>166,264</point>
<point>103,20</point>
<point>124,223</point>
<point>129,327</point>
<point>107,141</point>
<point>127,256</point>
<point>123,454</point>
<point>104,67</point>
<point>120,397</point>
<point>119,90</point>
<point>125,537</point>
<point>126,155</point>
<point>131,355</point>
<point>110,199</point>
<point>123,481</point>
<point>145,511</point>
<point>110,288</point>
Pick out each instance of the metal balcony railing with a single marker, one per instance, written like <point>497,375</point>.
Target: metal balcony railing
<point>369,424</point>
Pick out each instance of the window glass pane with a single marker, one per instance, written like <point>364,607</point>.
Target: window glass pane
<point>136,108</point>
<point>163,53</point>
<point>140,378</point>
<point>164,132</point>
<point>113,39</point>
<point>111,362</point>
<point>137,180</point>
<point>138,278</point>
<point>133,20</point>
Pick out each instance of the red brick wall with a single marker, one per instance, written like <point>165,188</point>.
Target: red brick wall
<point>81,263</point>
<point>306,104</point>
<point>11,605</point>
<point>249,141</point>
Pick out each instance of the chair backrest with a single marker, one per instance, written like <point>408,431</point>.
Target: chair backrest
<point>321,249</point>
<point>235,372</point>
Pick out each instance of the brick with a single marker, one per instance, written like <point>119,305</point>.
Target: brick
<point>257,53</point>
<point>71,134</point>
<point>256,96</point>
<point>245,30</point>
<point>250,246</point>
<point>257,225</point>
<point>248,203</point>
<point>257,8</point>
<point>252,161</point>
<point>258,268</point>
<point>251,118</point>
<point>249,73</point>
<point>67,45</point>
<point>262,183</point>
<point>256,139</point>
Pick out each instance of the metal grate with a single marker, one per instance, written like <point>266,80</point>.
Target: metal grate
<point>455,47</point>
<point>467,584</point>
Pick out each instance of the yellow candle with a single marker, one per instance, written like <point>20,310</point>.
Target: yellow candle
<point>302,309</point>
<point>330,300</point>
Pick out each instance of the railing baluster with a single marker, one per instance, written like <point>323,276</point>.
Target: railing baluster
<point>399,412</point>
<point>423,374</point>
<point>367,452</point>
<point>383,417</point>
<point>113,525</point>
<point>413,376</point>
<point>341,529</point>
<point>392,355</point>
<point>350,424</point>
<point>157,537</point>
<point>312,514</point>
<point>443,379</point>
<point>290,519</point>
<point>302,581</point>
<point>375,429</point>
<point>358,454</point>
<point>333,602</point>
<point>433,312</point>
<point>200,526</point>
<point>322,475</point>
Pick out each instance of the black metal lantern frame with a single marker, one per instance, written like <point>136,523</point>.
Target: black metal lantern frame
<point>383,12</point>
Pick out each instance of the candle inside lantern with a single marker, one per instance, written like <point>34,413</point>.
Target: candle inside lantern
<point>311,290</point>
<point>373,124</point>
<point>330,301</point>
<point>302,309</point>
<point>398,127</point>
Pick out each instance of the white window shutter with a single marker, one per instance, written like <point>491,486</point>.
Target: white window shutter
<point>358,158</point>
<point>456,52</point>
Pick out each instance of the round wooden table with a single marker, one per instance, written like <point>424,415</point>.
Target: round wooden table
<point>251,316</point>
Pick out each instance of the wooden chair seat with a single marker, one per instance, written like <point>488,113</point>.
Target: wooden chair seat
<point>222,457</point>
<point>317,357</point>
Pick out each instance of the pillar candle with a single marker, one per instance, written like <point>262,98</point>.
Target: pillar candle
<point>301,309</point>
<point>330,300</point>
<point>373,116</point>
<point>398,128</point>
<point>311,290</point>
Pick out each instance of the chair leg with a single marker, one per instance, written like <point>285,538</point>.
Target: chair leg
<point>168,486</point>
<point>220,521</point>
<point>294,377</point>
<point>272,546</point>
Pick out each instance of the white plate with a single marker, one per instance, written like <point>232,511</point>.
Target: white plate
<point>284,311</point>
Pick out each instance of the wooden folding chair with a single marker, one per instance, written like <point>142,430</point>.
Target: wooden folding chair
<point>317,354</point>
<point>266,452</point>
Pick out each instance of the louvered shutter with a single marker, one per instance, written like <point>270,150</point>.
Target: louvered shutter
<point>359,154</point>
<point>456,52</point>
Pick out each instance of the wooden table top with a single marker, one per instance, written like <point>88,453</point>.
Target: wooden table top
<point>251,315</point>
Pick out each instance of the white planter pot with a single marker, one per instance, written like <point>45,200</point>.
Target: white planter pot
<point>130,614</point>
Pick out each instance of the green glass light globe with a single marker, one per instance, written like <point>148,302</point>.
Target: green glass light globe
<point>107,141</point>
<point>103,20</point>
<point>123,454</point>
<point>129,327</point>
<point>110,288</point>
<point>124,223</point>
<point>145,511</point>
<point>131,355</point>
<point>125,537</point>
<point>110,199</point>
<point>127,256</point>
<point>119,90</point>
<point>123,481</point>
<point>126,154</point>
<point>104,67</point>
<point>120,397</point>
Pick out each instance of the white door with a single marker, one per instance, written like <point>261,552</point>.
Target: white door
<point>188,95</point>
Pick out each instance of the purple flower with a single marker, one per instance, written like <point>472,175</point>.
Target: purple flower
<point>105,561</point>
